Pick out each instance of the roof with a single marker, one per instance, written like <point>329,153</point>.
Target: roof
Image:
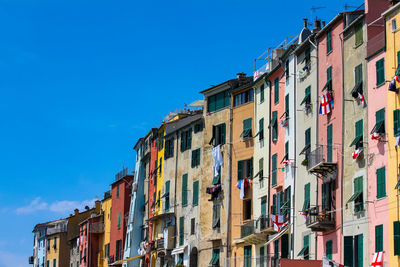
<point>334,20</point>
<point>233,83</point>
<point>174,126</point>
<point>390,10</point>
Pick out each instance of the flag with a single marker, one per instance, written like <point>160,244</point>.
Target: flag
<point>330,99</point>
<point>375,136</point>
<point>330,263</point>
<point>326,104</point>
<point>357,153</point>
<point>361,97</point>
<point>277,220</point>
<point>286,162</point>
<point>377,259</point>
<point>397,77</point>
<point>305,214</point>
<point>392,86</point>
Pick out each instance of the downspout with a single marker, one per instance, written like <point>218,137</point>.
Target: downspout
<point>295,153</point>
<point>317,135</point>
<point>229,247</point>
<point>176,179</point>
<point>269,154</point>
<point>341,153</point>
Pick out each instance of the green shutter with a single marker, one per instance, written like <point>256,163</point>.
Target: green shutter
<point>119,220</point>
<point>184,189</point>
<point>182,141</point>
<point>261,129</point>
<point>275,125</point>
<point>360,250</point>
<point>398,58</point>
<point>306,204</point>
<point>328,249</point>
<point>287,149</point>
<point>329,41</point>
<point>240,170</point>
<point>348,251</point>
<point>264,206</point>
<point>193,162</point>
<point>323,196</point>
<point>359,34</point>
<point>396,237</point>
<point>358,74</point>
<point>308,137</point>
<point>380,72</point>
<point>379,238</point>
<point>273,208</point>
<point>181,230</point>
<point>189,139</point>
<point>276,91</point>
<point>329,143</point>
<point>166,194</point>
<point>195,193</point>
<point>118,191</point>
<point>287,104</point>
<point>396,125</point>
<point>380,183</point>
<point>307,96</point>
<point>54,263</point>
<point>329,73</point>
<point>262,255</point>
<point>274,170</point>
<point>285,246</point>
<point>262,93</point>
<point>247,256</point>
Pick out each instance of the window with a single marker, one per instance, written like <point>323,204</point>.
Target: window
<point>328,249</point>
<point>260,129</point>
<point>55,262</point>
<point>48,264</point>
<point>180,259</point>
<point>247,209</point>
<point>306,204</point>
<point>287,202</point>
<point>118,191</point>
<point>286,157</point>
<point>307,97</point>
<point>276,249</point>
<point>359,34</point>
<point>328,85</point>
<point>396,237</point>
<point>285,246</point>
<point>217,179</point>
<point>329,142</point>
<point>261,172</point>
<point>262,257</point>
<point>216,215</point>
<point>327,189</point>
<point>181,230</point>
<point>186,140</point>
<point>264,206</point>
<point>358,140</point>
<point>245,169</point>
<point>119,220</point>
<point>247,256</point>
<point>55,243</point>
<point>380,72</point>
<point>160,167</point>
<point>192,226</point>
<point>169,148</point>
<point>218,101</point>
<point>276,91</point>
<point>274,124</point>
<point>243,98</point>
<point>307,56</point>
<point>357,196</point>
<point>195,157</point>
<point>274,168</point>
<point>328,41</point>
<point>160,140</point>
<point>166,195</point>
<point>379,238</point>
<point>348,251</point>
<point>287,104</point>
<point>358,248</point>
<point>358,78</point>
<point>380,122</point>
<point>396,125</point>
<point>380,183</point>
<point>198,127</point>
<point>184,189</point>
<point>195,193</point>
<point>218,137</point>
<point>305,250</point>
<point>262,93</point>
<point>287,70</point>
<point>394,25</point>
<point>106,250</point>
<point>247,126</point>
<point>215,258</point>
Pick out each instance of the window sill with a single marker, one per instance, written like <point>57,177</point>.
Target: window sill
<point>383,197</point>
<point>358,45</point>
<point>379,85</point>
<point>329,52</point>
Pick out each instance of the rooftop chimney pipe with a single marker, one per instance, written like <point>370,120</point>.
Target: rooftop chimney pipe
<point>305,23</point>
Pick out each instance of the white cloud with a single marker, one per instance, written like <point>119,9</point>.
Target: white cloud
<point>61,206</point>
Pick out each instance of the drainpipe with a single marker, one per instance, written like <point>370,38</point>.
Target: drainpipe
<point>176,178</point>
<point>295,153</point>
<point>344,102</point>
<point>269,153</point>
<point>317,135</point>
<point>229,247</point>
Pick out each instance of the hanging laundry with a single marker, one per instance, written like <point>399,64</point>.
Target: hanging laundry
<point>361,97</point>
<point>377,259</point>
<point>357,153</point>
<point>218,161</point>
<point>397,77</point>
<point>392,86</point>
<point>305,214</point>
<point>397,141</point>
<point>376,136</point>
<point>242,186</point>
<point>286,162</point>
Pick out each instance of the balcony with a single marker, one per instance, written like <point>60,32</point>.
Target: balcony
<point>125,172</point>
<point>320,221</point>
<point>31,260</point>
<point>56,230</point>
<point>256,231</point>
<point>322,160</point>
<point>96,228</point>
<point>160,244</point>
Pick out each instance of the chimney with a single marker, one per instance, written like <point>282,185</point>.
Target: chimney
<point>317,25</point>
<point>241,75</point>
<point>97,205</point>
<point>305,23</point>
<point>323,23</point>
<point>76,212</point>
<point>87,208</point>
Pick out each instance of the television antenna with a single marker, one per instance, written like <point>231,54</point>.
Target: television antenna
<point>313,9</point>
<point>346,6</point>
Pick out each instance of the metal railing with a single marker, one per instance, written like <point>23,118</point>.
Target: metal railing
<point>125,172</point>
<point>96,227</point>
<point>321,220</point>
<point>322,154</point>
<point>254,226</point>
<point>55,230</point>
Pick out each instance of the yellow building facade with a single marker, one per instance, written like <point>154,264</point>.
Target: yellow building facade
<point>392,24</point>
<point>57,250</point>
<point>104,241</point>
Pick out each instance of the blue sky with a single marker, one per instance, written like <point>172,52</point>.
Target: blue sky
<point>81,81</point>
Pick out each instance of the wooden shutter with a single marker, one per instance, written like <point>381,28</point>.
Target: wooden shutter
<point>329,41</point>
<point>306,196</point>
<point>380,72</point>
<point>359,128</point>
<point>119,220</point>
<point>359,34</point>
<point>396,237</point>
<point>396,125</point>
<point>182,141</point>
<point>274,174</point>
<point>189,139</point>
<point>379,238</point>
<point>358,74</point>
<point>262,93</point>
<point>329,143</point>
<point>222,133</point>
<point>240,170</point>
<point>308,137</point>
<point>360,250</point>
<point>380,183</point>
<point>276,91</point>
<point>287,105</point>
<point>323,193</point>
<point>273,209</point>
<point>193,162</point>
<point>184,189</point>
<point>275,125</point>
<point>328,249</point>
<point>264,206</point>
<point>166,193</point>
<point>285,246</point>
<point>181,230</point>
<point>195,193</point>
